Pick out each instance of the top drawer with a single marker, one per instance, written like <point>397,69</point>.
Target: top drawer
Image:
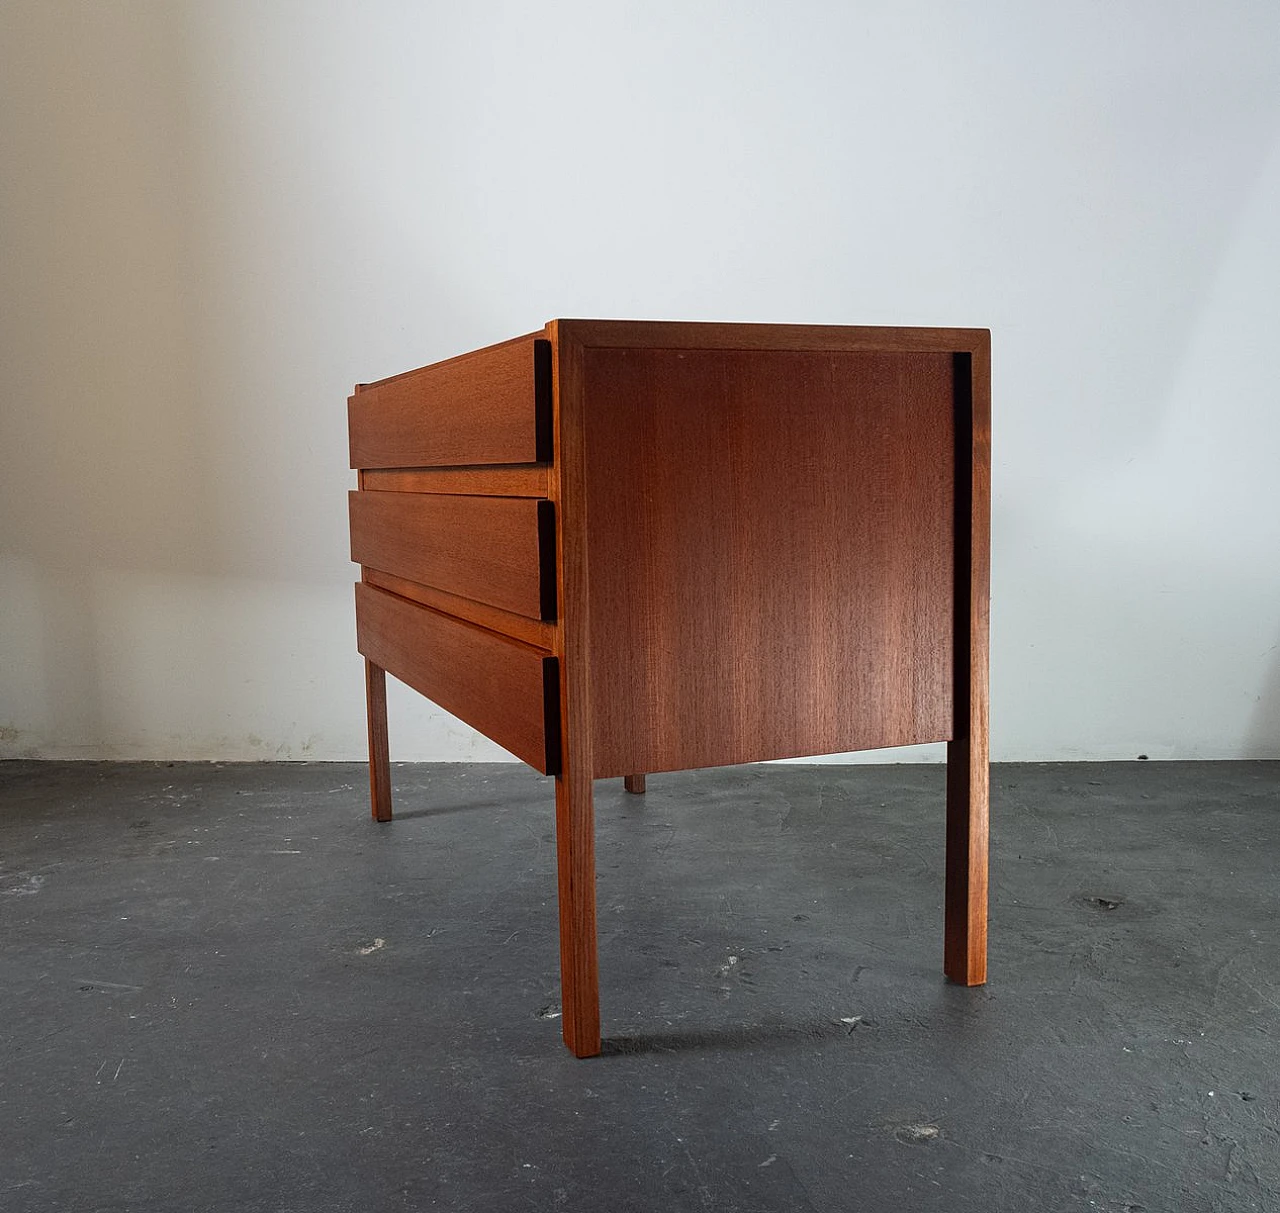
<point>491,406</point>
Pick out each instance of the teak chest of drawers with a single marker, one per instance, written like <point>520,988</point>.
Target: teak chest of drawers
<point>620,547</point>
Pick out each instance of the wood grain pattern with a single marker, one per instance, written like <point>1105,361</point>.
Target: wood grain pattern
<point>375,685</point>
<point>496,550</point>
<point>540,634</point>
<point>968,759</point>
<point>770,552</point>
<point>490,406</point>
<point>516,480</point>
<point>575,811</point>
<point>824,338</point>
<point>499,686</point>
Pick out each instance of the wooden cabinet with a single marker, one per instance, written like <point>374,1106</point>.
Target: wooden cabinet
<point>622,547</point>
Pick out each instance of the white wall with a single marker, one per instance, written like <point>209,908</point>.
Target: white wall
<point>218,216</point>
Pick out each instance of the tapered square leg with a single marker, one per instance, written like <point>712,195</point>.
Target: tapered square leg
<point>968,760</point>
<point>965,952</point>
<point>375,686</point>
<point>576,861</point>
<point>634,783</point>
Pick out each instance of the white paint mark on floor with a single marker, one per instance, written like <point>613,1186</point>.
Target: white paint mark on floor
<point>376,946</point>
<point>28,888</point>
<point>106,985</point>
<point>768,1162</point>
<point>917,1134</point>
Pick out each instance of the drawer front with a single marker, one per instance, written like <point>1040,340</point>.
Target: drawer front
<point>496,550</point>
<point>489,407</point>
<point>506,690</point>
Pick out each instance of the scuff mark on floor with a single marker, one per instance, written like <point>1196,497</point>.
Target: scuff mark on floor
<point>29,887</point>
<point>89,983</point>
<point>917,1134</point>
<point>376,946</point>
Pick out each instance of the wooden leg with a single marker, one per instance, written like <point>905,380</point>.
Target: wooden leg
<point>575,819</point>
<point>965,952</point>
<point>968,762</point>
<point>633,783</point>
<point>576,858</point>
<point>375,686</point>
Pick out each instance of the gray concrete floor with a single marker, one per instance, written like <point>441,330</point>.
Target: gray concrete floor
<point>225,988</point>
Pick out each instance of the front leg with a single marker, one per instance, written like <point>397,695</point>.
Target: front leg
<point>576,862</point>
<point>965,949</point>
<point>375,686</point>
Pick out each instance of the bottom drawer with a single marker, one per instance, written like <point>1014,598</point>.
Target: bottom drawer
<point>507,690</point>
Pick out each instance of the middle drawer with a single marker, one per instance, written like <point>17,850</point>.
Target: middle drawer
<point>496,550</point>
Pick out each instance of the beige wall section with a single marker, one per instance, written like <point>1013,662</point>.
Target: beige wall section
<point>214,217</point>
<point>183,319</point>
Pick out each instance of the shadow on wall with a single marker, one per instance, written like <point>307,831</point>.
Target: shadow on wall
<point>102,457</point>
<point>173,559</point>
<point>1263,737</point>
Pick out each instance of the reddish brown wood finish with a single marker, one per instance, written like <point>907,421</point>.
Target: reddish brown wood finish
<point>968,761</point>
<point>634,783</point>
<point>816,338</point>
<point>491,406</point>
<point>770,540</point>
<point>770,548</point>
<point>506,689</point>
<point>496,550</point>
<point>575,811</point>
<point>522,480</point>
<point>375,685</point>
<point>536,632</point>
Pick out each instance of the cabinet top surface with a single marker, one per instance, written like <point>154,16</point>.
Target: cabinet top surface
<point>714,335</point>
<point>707,335</point>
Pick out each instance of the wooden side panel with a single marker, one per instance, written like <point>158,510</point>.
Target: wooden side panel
<point>492,406</point>
<point>491,549</point>
<point>770,552</point>
<point>507,690</point>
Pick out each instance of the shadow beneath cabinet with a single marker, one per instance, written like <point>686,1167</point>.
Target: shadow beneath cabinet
<point>492,806</point>
<point>728,1037</point>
